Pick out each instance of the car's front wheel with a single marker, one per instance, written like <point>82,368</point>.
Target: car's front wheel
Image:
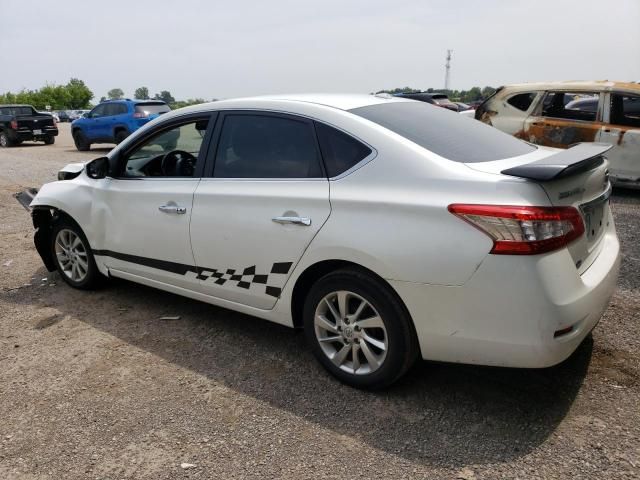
<point>358,329</point>
<point>73,257</point>
<point>81,141</point>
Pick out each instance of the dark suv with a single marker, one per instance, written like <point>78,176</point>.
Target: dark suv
<point>114,120</point>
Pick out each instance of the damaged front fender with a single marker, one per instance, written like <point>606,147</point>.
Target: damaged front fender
<point>43,219</point>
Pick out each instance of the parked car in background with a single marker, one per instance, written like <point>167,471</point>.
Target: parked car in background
<point>362,219</point>
<point>561,114</point>
<point>19,123</point>
<point>439,99</point>
<point>54,115</point>
<point>113,121</point>
<point>63,115</point>
<point>463,106</point>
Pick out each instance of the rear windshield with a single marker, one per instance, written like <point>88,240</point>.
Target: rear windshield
<point>16,111</point>
<point>151,108</point>
<point>445,133</point>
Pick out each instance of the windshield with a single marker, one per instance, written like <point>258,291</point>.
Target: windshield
<point>445,133</point>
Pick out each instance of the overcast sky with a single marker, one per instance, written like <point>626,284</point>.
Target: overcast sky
<point>221,49</point>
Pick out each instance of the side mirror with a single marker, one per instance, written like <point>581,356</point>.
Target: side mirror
<point>85,115</point>
<point>98,168</point>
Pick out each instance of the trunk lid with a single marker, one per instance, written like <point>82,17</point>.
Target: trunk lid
<point>576,177</point>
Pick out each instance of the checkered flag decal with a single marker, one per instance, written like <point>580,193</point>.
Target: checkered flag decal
<point>248,277</point>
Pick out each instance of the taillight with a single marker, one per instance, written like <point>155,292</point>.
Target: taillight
<point>14,124</point>
<point>523,230</point>
<point>140,115</point>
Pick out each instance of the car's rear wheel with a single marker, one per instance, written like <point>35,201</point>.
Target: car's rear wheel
<point>49,140</point>
<point>81,141</point>
<point>121,135</point>
<point>73,257</point>
<point>358,329</point>
<point>5,141</point>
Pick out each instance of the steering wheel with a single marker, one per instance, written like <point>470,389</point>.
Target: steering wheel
<point>178,163</point>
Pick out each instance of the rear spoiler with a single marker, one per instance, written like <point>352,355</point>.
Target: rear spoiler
<point>579,158</point>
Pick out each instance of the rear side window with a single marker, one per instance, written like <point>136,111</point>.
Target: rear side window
<point>522,101</point>
<point>625,110</point>
<point>263,146</point>
<point>115,109</point>
<point>557,105</point>
<point>445,133</point>
<point>340,151</point>
<point>150,108</point>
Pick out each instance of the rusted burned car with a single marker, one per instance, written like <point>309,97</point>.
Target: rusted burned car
<point>561,114</point>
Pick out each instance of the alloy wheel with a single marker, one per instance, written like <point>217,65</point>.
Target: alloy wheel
<point>350,332</point>
<point>71,255</point>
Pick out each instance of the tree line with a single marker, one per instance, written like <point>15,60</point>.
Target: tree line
<point>142,93</point>
<point>75,95</point>
<point>465,96</point>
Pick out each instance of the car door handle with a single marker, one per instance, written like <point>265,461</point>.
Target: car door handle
<point>295,220</point>
<point>172,209</point>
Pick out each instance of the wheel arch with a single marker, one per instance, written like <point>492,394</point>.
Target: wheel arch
<point>314,272</point>
<point>44,217</point>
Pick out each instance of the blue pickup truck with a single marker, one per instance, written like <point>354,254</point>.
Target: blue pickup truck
<point>114,120</point>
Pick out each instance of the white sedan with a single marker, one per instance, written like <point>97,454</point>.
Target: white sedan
<point>387,228</point>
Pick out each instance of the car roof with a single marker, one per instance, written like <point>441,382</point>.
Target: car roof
<point>12,105</point>
<point>577,85</point>
<point>332,100</point>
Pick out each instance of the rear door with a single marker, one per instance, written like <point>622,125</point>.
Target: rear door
<point>622,130</point>
<point>263,199</point>
<point>555,124</point>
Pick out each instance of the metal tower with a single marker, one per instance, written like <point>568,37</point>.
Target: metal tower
<point>447,68</point>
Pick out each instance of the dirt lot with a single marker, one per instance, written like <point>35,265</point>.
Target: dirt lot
<point>94,385</point>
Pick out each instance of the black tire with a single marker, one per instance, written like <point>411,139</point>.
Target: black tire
<point>5,141</point>
<point>49,140</point>
<point>402,346</point>
<point>93,278</point>
<point>81,141</point>
<point>120,136</point>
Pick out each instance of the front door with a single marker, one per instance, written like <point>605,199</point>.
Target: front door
<point>260,205</point>
<point>146,208</point>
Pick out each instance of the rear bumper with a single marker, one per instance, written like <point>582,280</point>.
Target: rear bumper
<point>23,135</point>
<point>507,313</point>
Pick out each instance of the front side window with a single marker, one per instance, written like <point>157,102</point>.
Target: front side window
<point>559,105</point>
<point>340,151</point>
<point>170,153</point>
<point>522,101</point>
<point>264,146</point>
<point>625,110</point>
<point>99,111</point>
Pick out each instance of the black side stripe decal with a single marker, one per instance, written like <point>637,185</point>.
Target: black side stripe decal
<point>243,280</point>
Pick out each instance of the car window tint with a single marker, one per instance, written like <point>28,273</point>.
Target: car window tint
<point>557,105</point>
<point>625,110</point>
<point>340,151</point>
<point>99,111</point>
<point>169,153</point>
<point>149,108</point>
<point>260,146</point>
<point>522,101</point>
<point>444,132</point>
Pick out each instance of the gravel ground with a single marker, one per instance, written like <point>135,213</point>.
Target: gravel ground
<point>94,386</point>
